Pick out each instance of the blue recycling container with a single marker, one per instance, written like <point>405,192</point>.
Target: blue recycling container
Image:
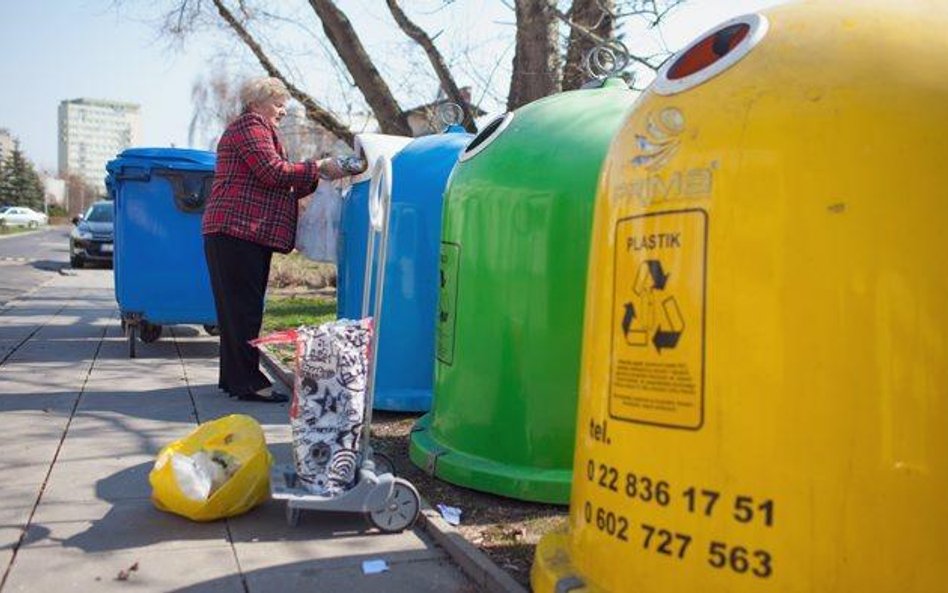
<point>420,170</point>
<point>350,268</point>
<point>160,271</point>
<point>354,224</point>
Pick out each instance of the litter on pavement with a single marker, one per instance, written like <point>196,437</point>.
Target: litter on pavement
<point>451,514</point>
<point>374,566</point>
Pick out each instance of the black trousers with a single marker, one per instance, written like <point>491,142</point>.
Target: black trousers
<point>239,271</point>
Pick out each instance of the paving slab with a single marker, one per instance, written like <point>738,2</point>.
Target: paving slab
<point>94,526</point>
<point>215,569</point>
<point>84,423</point>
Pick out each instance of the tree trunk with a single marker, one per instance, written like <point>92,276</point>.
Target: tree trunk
<point>448,85</point>
<point>313,111</point>
<point>377,94</point>
<point>586,16</point>
<point>536,63</point>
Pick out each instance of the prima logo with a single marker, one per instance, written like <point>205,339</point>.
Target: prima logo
<point>661,139</point>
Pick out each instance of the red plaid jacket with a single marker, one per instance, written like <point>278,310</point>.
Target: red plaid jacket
<point>255,188</point>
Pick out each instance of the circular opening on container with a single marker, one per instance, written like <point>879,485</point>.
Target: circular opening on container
<point>713,53</point>
<point>486,136</point>
<point>708,51</point>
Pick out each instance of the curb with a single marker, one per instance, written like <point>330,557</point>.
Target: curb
<point>28,232</point>
<point>475,564</point>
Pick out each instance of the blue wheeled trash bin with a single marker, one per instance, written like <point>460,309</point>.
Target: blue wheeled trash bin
<point>160,272</point>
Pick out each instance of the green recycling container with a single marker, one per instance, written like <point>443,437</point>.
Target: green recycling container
<point>515,237</point>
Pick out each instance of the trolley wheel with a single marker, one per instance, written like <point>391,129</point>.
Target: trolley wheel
<point>383,463</point>
<point>150,332</point>
<point>212,330</point>
<point>293,515</point>
<point>400,510</point>
<point>130,333</point>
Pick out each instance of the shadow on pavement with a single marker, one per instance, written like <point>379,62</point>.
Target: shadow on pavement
<point>406,571</point>
<point>133,521</point>
<point>49,265</point>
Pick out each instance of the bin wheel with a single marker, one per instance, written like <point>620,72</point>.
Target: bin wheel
<point>150,332</point>
<point>130,333</point>
<point>400,510</point>
<point>383,463</point>
<point>293,515</point>
<point>212,330</point>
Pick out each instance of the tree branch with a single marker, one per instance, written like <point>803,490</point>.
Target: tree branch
<point>376,92</point>
<point>448,85</point>
<point>313,111</point>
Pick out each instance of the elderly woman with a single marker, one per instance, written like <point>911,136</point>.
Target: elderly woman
<point>251,213</point>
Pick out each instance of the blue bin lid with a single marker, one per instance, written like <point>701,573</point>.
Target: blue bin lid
<point>186,159</point>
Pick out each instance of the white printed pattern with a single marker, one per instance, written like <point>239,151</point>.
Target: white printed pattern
<point>329,403</point>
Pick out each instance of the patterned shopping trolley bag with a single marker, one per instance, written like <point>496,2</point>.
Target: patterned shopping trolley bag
<point>328,409</point>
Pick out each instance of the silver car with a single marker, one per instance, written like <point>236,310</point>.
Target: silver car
<point>22,216</point>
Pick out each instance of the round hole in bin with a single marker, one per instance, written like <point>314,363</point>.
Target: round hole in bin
<point>713,53</point>
<point>709,50</point>
<point>490,132</point>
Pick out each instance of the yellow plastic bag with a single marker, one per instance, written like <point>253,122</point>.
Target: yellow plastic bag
<point>236,444</point>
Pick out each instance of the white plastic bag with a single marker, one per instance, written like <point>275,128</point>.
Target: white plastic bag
<point>317,230</point>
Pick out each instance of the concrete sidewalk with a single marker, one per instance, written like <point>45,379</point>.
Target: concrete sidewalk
<point>82,424</point>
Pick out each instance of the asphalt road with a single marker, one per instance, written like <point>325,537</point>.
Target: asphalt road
<point>30,259</point>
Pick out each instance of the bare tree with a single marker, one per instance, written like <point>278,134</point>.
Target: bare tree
<point>313,110</point>
<point>79,194</point>
<point>538,68</point>
<point>216,103</point>
<point>376,92</point>
<point>536,62</point>
<point>591,22</point>
<point>448,84</point>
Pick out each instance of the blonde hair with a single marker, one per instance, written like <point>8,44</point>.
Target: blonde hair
<point>258,90</point>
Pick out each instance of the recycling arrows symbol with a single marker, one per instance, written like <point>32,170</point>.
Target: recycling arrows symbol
<point>668,324</point>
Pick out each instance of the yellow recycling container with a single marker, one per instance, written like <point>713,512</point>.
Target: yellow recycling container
<point>763,399</point>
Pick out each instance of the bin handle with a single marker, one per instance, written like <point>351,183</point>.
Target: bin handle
<point>381,185</point>
<point>134,173</point>
<point>190,188</point>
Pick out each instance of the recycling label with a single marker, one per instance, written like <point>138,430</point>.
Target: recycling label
<point>658,309</point>
<point>449,262</point>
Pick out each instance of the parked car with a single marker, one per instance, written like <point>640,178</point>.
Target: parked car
<point>22,216</point>
<point>93,237</point>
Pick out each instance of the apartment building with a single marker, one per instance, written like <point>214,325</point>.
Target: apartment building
<point>91,133</point>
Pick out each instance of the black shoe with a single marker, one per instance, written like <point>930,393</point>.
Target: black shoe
<point>266,395</point>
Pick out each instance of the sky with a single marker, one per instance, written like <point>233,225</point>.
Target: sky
<point>54,50</point>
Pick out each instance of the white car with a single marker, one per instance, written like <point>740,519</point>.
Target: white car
<point>22,216</point>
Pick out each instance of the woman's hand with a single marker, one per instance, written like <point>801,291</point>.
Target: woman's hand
<point>329,168</point>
